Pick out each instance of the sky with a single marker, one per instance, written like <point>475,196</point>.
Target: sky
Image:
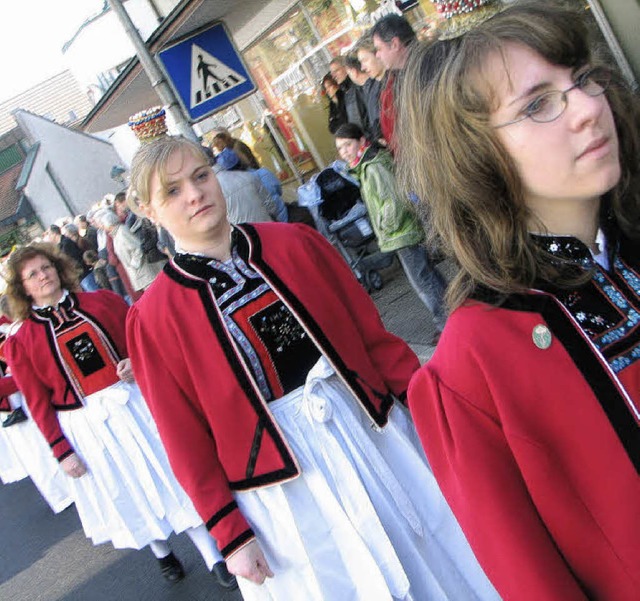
<point>32,33</point>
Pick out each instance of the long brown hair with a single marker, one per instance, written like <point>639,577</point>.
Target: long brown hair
<point>450,156</point>
<point>19,301</point>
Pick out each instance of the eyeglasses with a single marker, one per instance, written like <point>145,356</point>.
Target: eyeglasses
<point>32,275</point>
<point>550,105</point>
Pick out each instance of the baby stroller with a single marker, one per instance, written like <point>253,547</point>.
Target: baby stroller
<point>333,199</point>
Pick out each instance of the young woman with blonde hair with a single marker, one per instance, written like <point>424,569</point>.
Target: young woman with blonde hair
<point>524,145</point>
<point>276,389</point>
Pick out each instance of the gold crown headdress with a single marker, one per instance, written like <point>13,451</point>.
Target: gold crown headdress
<point>149,124</point>
<point>459,16</point>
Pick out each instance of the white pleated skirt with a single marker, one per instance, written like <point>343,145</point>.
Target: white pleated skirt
<point>366,519</point>
<point>35,454</point>
<point>11,466</point>
<point>129,495</point>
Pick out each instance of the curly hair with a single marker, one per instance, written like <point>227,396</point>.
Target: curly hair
<point>20,302</point>
<point>473,197</point>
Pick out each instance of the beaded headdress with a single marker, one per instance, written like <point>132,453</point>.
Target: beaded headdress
<point>459,16</point>
<point>149,124</point>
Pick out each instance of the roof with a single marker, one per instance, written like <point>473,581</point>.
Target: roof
<point>9,196</point>
<point>59,98</point>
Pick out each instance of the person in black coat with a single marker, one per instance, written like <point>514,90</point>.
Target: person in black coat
<point>68,247</point>
<point>337,112</point>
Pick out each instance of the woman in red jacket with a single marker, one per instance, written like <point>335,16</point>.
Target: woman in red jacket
<point>530,408</point>
<point>69,358</point>
<point>274,385</point>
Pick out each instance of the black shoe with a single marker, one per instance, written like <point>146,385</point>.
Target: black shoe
<point>171,568</point>
<point>222,577</point>
<point>15,417</point>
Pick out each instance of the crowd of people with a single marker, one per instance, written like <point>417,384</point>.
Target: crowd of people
<point>241,387</point>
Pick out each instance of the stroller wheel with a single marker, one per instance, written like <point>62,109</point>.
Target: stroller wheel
<point>373,280</point>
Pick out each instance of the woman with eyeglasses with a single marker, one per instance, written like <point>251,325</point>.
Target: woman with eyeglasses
<point>526,145</point>
<point>69,358</point>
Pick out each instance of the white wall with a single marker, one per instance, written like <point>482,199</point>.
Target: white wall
<point>82,164</point>
<point>43,196</point>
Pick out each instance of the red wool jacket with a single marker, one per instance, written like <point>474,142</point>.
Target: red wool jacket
<point>542,484</point>
<point>216,427</point>
<point>37,368</point>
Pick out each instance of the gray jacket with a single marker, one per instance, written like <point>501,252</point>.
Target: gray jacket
<point>247,199</point>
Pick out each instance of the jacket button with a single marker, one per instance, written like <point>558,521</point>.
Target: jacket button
<point>541,336</point>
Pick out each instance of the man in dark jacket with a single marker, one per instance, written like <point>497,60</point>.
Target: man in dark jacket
<point>354,106</point>
<point>68,247</point>
<point>393,38</point>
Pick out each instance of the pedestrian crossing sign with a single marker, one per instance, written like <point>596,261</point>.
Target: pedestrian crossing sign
<point>206,71</point>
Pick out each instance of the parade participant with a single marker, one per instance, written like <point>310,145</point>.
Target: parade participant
<point>21,438</point>
<point>529,408</point>
<point>259,349</point>
<point>394,222</point>
<point>69,358</point>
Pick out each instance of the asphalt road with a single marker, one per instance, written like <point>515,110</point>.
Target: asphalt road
<point>46,557</point>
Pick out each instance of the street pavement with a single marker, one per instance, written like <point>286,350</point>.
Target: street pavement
<point>46,557</point>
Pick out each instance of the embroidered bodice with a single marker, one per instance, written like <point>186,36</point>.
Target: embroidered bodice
<point>83,349</point>
<point>274,346</point>
<point>607,307</point>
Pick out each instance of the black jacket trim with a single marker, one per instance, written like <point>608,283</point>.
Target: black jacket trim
<point>273,477</point>
<point>237,542</point>
<point>223,513</point>
<point>66,454</point>
<point>51,340</point>
<point>48,328</point>
<point>594,372</point>
<point>96,321</point>
<point>243,379</point>
<point>255,448</point>
<point>380,416</point>
<point>204,291</point>
<point>56,441</point>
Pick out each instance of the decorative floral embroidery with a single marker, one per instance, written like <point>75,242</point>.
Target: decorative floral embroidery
<point>272,342</point>
<point>601,307</point>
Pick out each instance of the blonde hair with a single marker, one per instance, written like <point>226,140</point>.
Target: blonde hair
<point>472,194</point>
<point>19,301</point>
<point>153,158</point>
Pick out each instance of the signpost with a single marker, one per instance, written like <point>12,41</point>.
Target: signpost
<point>206,71</point>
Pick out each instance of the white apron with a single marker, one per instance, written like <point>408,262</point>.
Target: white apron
<point>366,519</point>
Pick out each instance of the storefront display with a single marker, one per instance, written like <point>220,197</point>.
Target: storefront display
<point>288,64</point>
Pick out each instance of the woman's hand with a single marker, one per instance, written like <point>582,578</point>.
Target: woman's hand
<point>73,466</point>
<point>124,371</point>
<point>250,563</point>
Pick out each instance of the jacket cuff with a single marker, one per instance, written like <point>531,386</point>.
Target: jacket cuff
<point>235,545</point>
<point>61,448</point>
<point>230,529</point>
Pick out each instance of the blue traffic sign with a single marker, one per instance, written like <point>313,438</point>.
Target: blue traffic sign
<point>206,71</point>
